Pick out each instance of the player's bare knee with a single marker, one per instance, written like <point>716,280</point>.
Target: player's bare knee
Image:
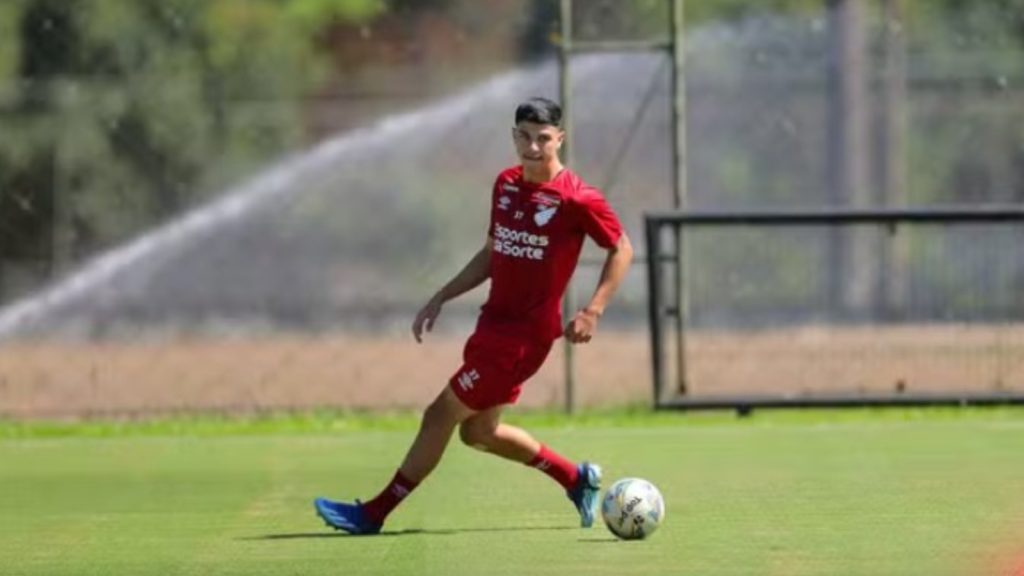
<point>476,436</point>
<point>468,435</point>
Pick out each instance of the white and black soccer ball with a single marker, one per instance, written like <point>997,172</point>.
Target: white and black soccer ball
<point>633,508</point>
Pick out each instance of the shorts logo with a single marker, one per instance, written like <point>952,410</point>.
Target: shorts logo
<point>545,215</point>
<point>467,379</point>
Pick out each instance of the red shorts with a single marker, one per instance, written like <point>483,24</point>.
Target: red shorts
<point>495,367</point>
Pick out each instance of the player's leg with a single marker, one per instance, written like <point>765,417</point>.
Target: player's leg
<point>436,428</point>
<point>486,432</point>
<point>582,482</point>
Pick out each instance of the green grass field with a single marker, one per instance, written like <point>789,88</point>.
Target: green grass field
<point>856,492</point>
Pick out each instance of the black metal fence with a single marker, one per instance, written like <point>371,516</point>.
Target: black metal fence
<point>837,307</point>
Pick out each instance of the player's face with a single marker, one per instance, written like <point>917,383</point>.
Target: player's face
<point>537,144</point>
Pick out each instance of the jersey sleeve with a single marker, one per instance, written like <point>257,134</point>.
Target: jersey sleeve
<point>597,218</point>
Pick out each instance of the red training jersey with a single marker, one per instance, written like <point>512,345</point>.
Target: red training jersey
<point>538,232</point>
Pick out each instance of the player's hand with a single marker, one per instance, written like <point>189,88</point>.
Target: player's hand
<point>582,326</point>
<point>426,316</point>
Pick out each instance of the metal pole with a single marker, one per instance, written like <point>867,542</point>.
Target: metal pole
<point>895,284</point>
<point>679,182</point>
<point>565,95</point>
<point>656,310</point>
<point>850,280</point>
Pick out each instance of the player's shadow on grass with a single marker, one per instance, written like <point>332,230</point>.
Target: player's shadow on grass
<point>409,532</point>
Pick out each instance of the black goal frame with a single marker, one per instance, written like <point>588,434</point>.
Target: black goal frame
<point>660,310</point>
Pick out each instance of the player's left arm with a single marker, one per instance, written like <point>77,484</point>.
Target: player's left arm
<point>597,220</point>
<point>616,264</point>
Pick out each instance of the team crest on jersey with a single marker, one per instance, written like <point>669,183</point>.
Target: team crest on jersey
<point>546,200</point>
<point>544,215</point>
<point>547,205</point>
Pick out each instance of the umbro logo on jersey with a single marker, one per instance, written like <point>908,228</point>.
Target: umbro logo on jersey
<point>504,202</point>
<point>545,215</point>
<point>509,187</point>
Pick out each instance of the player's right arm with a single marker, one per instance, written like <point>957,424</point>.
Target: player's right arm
<point>472,275</point>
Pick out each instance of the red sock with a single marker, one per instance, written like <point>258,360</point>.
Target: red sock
<point>555,466</point>
<point>393,494</point>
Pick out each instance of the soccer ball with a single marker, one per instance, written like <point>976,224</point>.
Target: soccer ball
<point>633,508</point>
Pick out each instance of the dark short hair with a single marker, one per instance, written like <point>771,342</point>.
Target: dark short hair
<point>539,111</point>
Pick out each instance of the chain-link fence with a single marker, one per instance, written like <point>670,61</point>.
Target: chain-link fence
<point>839,307</point>
<point>172,240</point>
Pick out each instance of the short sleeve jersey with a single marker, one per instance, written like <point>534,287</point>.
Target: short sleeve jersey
<point>538,232</point>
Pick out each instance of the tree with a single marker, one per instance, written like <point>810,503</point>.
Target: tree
<point>127,111</point>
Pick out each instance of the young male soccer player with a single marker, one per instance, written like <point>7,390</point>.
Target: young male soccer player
<point>540,213</point>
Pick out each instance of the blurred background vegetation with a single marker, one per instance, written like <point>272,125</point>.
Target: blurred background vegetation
<point>362,135</point>
<point>117,115</point>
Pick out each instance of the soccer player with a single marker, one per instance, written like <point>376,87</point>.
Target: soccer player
<point>540,213</point>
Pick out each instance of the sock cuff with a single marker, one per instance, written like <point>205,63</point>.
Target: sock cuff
<point>401,480</point>
<point>541,456</point>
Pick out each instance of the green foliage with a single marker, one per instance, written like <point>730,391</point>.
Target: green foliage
<point>10,48</point>
<point>706,10</point>
<point>312,14</point>
<point>128,111</point>
<point>147,106</point>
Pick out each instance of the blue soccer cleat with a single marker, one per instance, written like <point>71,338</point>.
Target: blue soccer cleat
<point>585,493</point>
<point>347,517</point>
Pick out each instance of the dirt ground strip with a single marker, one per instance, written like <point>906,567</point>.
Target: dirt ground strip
<point>76,380</point>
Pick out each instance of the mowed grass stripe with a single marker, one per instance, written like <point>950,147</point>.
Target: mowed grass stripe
<point>802,498</point>
<point>138,505</point>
